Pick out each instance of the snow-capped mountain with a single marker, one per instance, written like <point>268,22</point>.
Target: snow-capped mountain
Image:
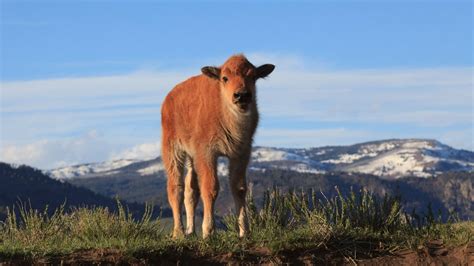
<point>388,159</point>
<point>396,158</point>
<point>82,170</point>
<point>262,158</point>
<point>417,158</point>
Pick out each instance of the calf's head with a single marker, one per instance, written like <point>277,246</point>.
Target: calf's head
<point>237,78</point>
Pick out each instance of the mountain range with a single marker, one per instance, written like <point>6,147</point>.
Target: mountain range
<point>29,187</point>
<point>422,171</point>
<point>388,159</point>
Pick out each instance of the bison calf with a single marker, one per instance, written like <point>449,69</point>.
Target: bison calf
<point>210,115</point>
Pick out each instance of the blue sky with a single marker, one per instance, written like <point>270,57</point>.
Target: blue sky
<point>83,81</point>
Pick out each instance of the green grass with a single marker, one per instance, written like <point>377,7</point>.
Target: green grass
<point>356,225</point>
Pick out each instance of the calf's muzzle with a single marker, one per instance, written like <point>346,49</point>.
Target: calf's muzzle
<point>243,97</point>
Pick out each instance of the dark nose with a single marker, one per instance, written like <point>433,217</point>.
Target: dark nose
<point>242,96</point>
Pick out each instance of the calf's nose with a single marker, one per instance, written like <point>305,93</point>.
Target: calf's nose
<point>237,96</point>
<point>242,96</point>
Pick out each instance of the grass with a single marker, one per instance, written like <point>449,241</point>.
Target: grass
<point>351,226</point>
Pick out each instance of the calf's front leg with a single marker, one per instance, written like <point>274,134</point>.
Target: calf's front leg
<point>209,189</point>
<point>238,185</point>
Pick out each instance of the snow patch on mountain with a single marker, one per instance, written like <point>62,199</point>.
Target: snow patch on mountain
<point>397,164</point>
<point>304,168</point>
<point>347,158</point>
<point>152,169</point>
<point>222,169</point>
<point>322,152</point>
<point>366,151</point>
<point>84,169</point>
<point>261,154</point>
<point>374,148</point>
<point>286,159</point>
<point>403,158</point>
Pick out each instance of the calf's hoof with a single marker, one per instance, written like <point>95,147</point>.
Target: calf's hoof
<point>178,233</point>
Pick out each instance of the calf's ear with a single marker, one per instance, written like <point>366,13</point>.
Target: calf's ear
<point>265,70</point>
<point>212,72</point>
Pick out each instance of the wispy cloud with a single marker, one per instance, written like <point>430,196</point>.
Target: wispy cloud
<point>322,106</point>
<point>117,106</point>
<point>438,96</point>
<point>304,138</point>
<point>86,148</point>
<point>139,152</point>
<point>51,153</point>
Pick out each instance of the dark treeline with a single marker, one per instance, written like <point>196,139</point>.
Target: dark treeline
<point>448,192</point>
<point>29,186</point>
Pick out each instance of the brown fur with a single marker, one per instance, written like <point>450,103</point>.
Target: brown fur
<point>200,122</point>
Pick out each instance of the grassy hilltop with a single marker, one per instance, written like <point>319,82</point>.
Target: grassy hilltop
<point>290,227</point>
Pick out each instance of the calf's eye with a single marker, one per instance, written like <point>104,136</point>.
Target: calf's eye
<point>225,79</point>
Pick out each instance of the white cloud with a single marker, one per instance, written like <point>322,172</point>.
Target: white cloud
<point>90,147</point>
<point>303,138</point>
<point>88,92</point>
<point>140,152</point>
<point>306,93</point>
<point>46,154</point>
<point>404,95</point>
<point>39,117</point>
<point>387,96</point>
<point>122,106</point>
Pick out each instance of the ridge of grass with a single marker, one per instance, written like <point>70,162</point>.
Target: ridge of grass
<point>355,225</point>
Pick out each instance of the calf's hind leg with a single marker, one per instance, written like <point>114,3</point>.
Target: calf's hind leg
<point>174,165</point>
<point>191,196</point>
